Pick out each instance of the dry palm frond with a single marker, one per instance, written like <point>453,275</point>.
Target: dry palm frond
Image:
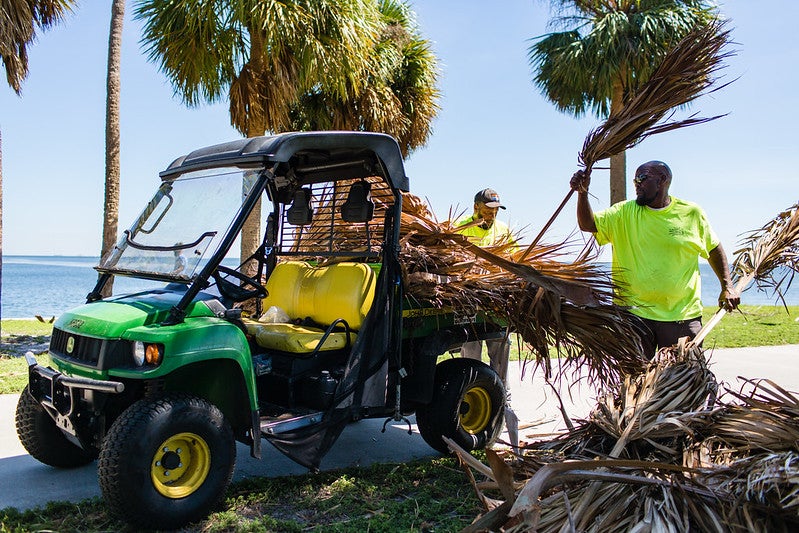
<point>747,482</point>
<point>685,73</point>
<point>768,250</point>
<point>758,492</point>
<point>769,255</point>
<point>547,301</point>
<point>651,405</point>
<point>770,479</point>
<point>767,395</point>
<point>764,419</point>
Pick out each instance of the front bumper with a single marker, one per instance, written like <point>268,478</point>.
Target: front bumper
<point>60,395</point>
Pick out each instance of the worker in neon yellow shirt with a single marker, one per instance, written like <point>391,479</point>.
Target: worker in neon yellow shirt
<point>482,226</point>
<point>483,229</point>
<point>657,241</point>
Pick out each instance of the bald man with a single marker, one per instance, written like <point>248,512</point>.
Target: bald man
<point>657,241</point>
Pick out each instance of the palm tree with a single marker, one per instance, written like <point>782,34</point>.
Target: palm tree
<point>399,93</point>
<point>607,49</point>
<point>19,20</point>
<point>112,137</point>
<point>260,55</point>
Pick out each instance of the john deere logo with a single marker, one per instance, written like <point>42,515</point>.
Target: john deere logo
<point>75,323</point>
<point>70,344</point>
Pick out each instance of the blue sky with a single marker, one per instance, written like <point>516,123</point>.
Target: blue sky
<point>494,130</point>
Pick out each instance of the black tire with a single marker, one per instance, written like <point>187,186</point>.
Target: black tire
<point>167,461</point>
<point>42,439</point>
<point>468,406</point>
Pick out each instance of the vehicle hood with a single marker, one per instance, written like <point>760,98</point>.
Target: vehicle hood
<point>110,318</point>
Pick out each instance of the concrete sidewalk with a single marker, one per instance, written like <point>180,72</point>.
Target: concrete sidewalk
<point>27,484</point>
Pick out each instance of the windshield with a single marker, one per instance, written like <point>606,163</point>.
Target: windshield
<point>183,225</point>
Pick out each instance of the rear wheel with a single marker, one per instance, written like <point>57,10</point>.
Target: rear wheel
<point>42,439</point>
<point>167,462</point>
<point>467,406</point>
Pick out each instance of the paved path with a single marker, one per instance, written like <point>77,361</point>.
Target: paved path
<point>25,483</point>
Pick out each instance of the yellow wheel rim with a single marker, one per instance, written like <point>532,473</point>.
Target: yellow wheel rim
<point>475,410</point>
<point>180,465</point>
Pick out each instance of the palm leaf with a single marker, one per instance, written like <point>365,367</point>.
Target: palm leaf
<point>685,73</point>
<point>769,255</point>
<point>764,251</point>
<point>548,302</point>
<point>747,478</point>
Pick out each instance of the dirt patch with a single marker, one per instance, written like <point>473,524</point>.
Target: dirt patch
<point>18,345</point>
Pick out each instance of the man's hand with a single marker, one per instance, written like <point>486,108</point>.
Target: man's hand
<point>729,299</point>
<point>580,181</point>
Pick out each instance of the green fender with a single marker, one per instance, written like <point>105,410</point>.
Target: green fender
<point>190,343</point>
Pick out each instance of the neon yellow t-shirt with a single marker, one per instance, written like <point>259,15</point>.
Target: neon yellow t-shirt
<point>498,233</point>
<point>656,256</point>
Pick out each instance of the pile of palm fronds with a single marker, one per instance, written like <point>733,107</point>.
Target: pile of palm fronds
<point>549,302</point>
<point>661,450</point>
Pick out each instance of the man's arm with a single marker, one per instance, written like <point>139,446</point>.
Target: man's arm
<point>585,215</point>
<point>728,298</point>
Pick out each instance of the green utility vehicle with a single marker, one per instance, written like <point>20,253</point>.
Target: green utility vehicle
<point>310,332</point>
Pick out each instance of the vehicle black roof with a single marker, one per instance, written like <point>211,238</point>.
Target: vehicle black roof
<point>282,147</point>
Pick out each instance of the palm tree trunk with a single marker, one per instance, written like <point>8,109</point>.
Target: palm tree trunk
<point>251,232</point>
<point>618,162</point>
<point>112,137</point>
<point>618,183</point>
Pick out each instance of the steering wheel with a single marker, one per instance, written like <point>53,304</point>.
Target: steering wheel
<point>237,293</point>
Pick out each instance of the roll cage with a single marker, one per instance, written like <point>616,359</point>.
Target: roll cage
<point>331,196</point>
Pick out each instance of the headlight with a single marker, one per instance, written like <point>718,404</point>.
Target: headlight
<point>146,353</point>
<point>138,353</point>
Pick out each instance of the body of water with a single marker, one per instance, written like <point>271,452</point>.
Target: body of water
<point>49,285</point>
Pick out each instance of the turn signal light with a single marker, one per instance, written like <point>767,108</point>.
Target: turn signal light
<point>152,354</point>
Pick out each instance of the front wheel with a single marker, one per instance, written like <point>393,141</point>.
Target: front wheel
<point>42,439</point>
<point>467,406</point>
<point>167,461</point>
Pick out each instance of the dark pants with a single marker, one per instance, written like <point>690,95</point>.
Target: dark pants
<point>658,335</point>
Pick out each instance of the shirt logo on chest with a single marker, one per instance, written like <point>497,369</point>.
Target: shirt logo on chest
<point>677,232</point>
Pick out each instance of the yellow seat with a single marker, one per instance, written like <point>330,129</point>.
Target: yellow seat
<point>343,291</point>
<point>297,339</point>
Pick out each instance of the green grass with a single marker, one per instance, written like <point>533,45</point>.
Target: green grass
<point>754,326</point>
<point>19,336</point>
<point>25,327</point>
<point>424,495</point>
<point>14,372</point>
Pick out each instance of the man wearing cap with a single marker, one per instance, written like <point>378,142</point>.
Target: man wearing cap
<point>483,229</point>
<point>482,226</point>
<point>657,241</point>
